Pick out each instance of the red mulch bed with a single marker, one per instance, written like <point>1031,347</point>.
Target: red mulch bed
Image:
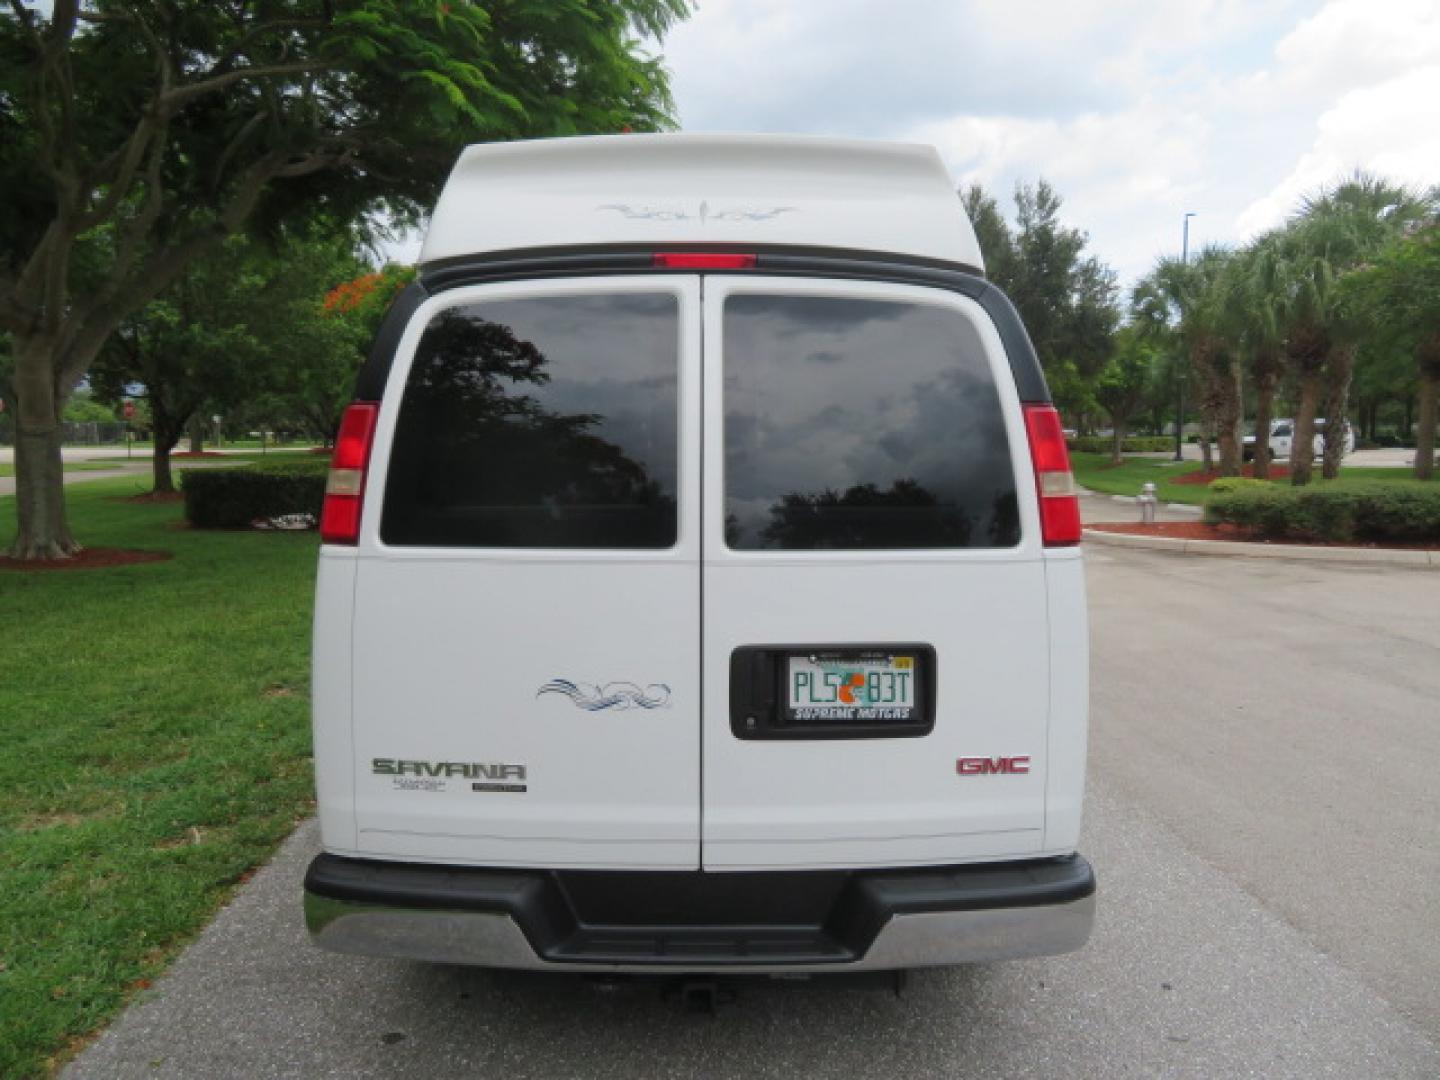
<point>1277,472</point>
<point>322,449</point>
<point>1198,530</point>
<point>88,559</point>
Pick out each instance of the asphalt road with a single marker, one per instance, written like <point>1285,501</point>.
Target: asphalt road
<point>1262,814</point>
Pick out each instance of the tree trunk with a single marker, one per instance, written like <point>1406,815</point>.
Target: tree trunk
<point>162,479</point>
<point>197,434</point>
<point>1302,441</point>
<point>1340,370</point>
<point>168,429</point>
<point>1117,441</point>
<point>1425,428</point>
<point>1229,410</point>
<point>1207,432</point>
<point>43,531</point>
<point>1428,357</point>
<point>1264,406</point>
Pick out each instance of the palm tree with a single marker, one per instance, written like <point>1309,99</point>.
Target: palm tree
<point>1185,302</point>
<point>1253,316</point>
<point>1336,232</point>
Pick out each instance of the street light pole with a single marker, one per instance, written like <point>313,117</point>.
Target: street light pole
<point>1180,397</point>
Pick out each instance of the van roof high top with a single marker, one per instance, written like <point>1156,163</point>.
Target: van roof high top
<point>763,190</point>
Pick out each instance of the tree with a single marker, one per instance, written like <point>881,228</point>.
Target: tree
<point>1067,299</point>
<point>320,388</point>
<point>1397,296</point>
<point>82,408</point>
<point>1337,231</point>
<point>1073,394</point>
<point>135,135</point>
<point>1124,383</point>
<point>997,243</point>
<point>234,326</point>
<point>1184,302</point>
<point>1252,316</point>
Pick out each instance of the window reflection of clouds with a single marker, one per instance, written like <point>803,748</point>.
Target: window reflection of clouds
<point>903,392</point>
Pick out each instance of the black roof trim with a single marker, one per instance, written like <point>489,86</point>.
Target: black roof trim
<point>448,274</point>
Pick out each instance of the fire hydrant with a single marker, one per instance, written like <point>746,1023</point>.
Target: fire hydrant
<point>1147,502</point>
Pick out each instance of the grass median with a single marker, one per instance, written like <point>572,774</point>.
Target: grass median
<point>1095,472</point>
<point>155,723</point>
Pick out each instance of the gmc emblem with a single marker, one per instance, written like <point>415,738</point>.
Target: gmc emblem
<point>979,766</point>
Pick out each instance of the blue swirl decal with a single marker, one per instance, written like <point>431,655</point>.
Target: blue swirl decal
<point>615,695</point>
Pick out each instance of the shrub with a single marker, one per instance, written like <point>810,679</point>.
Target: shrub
<point>292,465</point>
<point>1237,483</point>
<point>1134,444</point>
<point>236,498</point>
<point>1382,510</point>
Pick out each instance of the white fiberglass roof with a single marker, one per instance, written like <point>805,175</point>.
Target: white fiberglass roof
<point>894,198</point>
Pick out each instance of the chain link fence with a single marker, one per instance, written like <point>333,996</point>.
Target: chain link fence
<point>86,433</point>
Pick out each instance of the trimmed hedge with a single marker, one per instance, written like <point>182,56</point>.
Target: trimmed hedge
<point>1384,510</point>
<point>301,466</point>
<point>1238,483</point>
<point>237,498</point>
<point>1133,444</point>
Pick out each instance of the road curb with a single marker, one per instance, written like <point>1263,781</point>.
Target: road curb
<point>1243,549</point>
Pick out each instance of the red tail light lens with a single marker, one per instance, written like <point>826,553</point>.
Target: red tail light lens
<point>703,260</point>
<point>345,487</point>
<point>1059,505</point>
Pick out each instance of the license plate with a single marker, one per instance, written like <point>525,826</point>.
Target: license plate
<point>855,687</point>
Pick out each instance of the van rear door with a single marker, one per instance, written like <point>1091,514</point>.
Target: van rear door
<point>527,596</point>
<point>875,635</point>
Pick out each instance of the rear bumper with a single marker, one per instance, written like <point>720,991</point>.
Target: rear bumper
<point>719,922</point>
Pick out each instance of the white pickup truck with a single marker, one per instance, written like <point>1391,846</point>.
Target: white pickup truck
<point>1282,434</point>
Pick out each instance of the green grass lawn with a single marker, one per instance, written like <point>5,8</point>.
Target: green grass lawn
<point>154,722</point>
<point>1095,472</point>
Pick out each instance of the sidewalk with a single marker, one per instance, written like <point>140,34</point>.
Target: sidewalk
<point>1096,507</point>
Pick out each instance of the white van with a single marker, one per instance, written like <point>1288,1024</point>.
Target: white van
<point>700,585</point>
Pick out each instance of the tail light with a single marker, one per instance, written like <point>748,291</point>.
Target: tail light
<point>1059,505</point>
<point>345,487</point>
<point>703,260</point>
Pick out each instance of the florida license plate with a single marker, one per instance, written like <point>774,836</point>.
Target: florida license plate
<point>854,687</point>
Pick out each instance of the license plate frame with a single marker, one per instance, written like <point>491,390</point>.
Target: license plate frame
<point>761,704</point>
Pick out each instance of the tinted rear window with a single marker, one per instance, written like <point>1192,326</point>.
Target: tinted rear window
<point>861,424</point>
<point>543,422</point>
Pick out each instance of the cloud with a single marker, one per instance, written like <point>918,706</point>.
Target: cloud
<point>1136,111</point>
<point>1388,129</point>
<point>1355,43</point>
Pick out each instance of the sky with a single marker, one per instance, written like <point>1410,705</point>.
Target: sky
<point>1136,111</point>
